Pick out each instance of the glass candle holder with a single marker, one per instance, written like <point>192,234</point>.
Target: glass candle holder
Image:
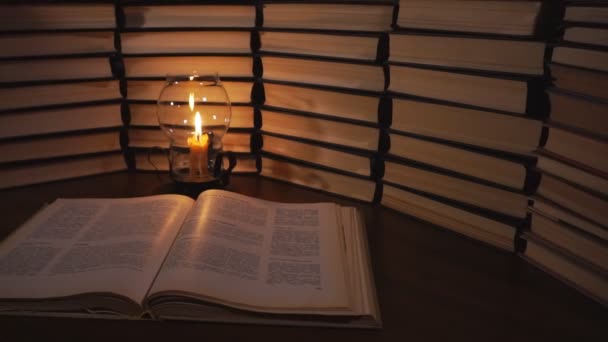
<point>194,112</point>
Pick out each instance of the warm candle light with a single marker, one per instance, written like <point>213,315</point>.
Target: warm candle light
<point>194,112</point>
<point>191,101</point>
<point>199,147</point>
<point>198,126</point>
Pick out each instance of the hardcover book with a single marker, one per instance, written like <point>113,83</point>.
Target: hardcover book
<point>350,46</point>
<point>595,13</point>
<point>325,73</point>
<point>468,52</point>
<point>318,154</point>
<point>59,145</point>
<point>594,59</point>
<point>188,16</point>
<point>491,230</point>
<point>513,95</point>
<point>586,35</point>
<point>491,17</point>
<point>487,129</point>
<point>565,169</point>
<point>55,69</point>
<point>349,17</point>
<point>56,44</point>
<point>343,104</point>
<point>584,150</point>
<point>185,42</point>
<point>317,129</point>
<point>471,163</point>
<point>23,97</point>
<point>475,194</point>
<point>56,169</point>
<point>582,113</point>
<point>580,81</point>
<point>58,120</point>
<point>568,217</point>
<point>56,16</point>
<point>591,206</point>
<point>359,188</point>
<point>566,267</point>
<point>588,247</point>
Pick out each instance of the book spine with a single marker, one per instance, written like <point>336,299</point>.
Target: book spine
<point>537,104</point>
<point>378,193</point>
<point>385,116</point>
<point>257,92</point>
<point>519,242</point>
<point>483,212</point>
<point>382,52</point>
<point>549,18</point>
<point>533,177</point>
<point>118,68</point>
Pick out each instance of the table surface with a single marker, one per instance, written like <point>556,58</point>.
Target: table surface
<point>433,285</point>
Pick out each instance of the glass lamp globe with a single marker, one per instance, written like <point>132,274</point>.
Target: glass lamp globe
<point>194,112</point>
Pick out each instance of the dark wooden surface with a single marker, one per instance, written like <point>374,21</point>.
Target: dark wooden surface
<point>433,285</point>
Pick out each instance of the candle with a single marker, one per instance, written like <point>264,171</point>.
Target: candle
<point>199,147</point>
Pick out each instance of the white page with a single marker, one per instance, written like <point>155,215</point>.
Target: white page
<point>77,246</point>
<point>257,254</point>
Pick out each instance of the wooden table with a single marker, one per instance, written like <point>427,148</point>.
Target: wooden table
<point>433,285</point>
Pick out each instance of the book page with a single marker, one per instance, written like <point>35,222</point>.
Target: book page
<point>258,255</point>
<point>77,246</point>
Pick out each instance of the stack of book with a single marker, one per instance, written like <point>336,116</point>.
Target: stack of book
<point>161,40</point>
<point>568,235</point>
<point>467,90</point>
<point>60,111</point>
<point>323,112</point>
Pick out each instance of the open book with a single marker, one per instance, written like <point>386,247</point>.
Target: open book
<point>224,257</point>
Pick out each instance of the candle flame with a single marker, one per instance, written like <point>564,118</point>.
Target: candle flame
<point>198,126</point>
<point>191,101</point>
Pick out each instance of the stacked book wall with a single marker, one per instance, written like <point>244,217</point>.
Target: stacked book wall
<point>60,112</point>
<point>467,87</point>
<point>160,39</point>
<point>323,110</point>
<point>568,233</point>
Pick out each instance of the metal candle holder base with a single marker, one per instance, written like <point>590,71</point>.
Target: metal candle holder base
<point>218,176</point>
